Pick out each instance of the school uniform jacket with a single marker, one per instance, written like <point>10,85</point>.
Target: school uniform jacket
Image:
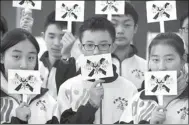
<point>43,107</point>
<point>132,68</point>
<point>74,95</point>
<point>58,74</point>
<point>141,107</point>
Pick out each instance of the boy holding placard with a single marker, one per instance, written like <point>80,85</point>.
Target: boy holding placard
<point>129,65</point>
<point>166,53</point>
<point>78,99</point>
<point>55,64</point>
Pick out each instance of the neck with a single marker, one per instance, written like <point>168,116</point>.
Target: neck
<point>122,52</point>
<point>52,60</point>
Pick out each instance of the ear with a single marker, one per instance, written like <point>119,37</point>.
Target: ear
<point>2,58</point>
<point>114,47</point>
<point>43,35</point>
<point>80,47</point>
<point>184,59</point>
<point>136,28</point>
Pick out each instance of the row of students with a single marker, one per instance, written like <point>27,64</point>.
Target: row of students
<point>78,102</point>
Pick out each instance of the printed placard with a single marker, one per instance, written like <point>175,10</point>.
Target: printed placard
<point>24,82</point>
<point>97,66</point>
<point>70,11</point>
<point>30,4</point>
<point>158,11</point>
<point>161,83</point>
<point>110,7</point>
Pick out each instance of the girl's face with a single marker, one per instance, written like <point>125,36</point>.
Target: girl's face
<point>22,56</point>
<point>165,58</point>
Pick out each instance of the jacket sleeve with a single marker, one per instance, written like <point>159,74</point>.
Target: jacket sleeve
<point>64,71</point>
<point>15,120</point>
<point>128,114</point>
<point>83,115</point>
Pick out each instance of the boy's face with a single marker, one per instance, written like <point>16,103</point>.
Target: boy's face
<point>125,29</point>
<point>92,38</point>
<point>184,32</point>
<point>52,37</point>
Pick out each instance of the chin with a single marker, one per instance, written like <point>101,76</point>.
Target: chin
<point>121,43</point>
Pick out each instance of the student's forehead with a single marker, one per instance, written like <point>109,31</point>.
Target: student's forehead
<point>185,23</point>
<point>53,28</point>
<point>25,43</point>
<point>123,18</point>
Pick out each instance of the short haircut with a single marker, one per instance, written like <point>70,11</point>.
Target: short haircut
<point>183,17</point>
<point>130,10</point>
<point>51,20</point>
<point>97,23</point>
<point>3,25</point>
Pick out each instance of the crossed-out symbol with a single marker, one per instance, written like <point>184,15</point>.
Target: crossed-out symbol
<point>70,11</point>
<point>110,5</point>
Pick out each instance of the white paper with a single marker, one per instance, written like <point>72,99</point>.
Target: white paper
<point>161,11</point>
<point>28,4</point>
<point>95,67</point>
<point>161,83</point>
<point>24,82</point>
<point>110,7</point>
<point>70,10</point>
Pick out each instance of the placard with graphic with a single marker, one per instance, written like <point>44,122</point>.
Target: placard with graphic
<point>24,82</point>
<point>161,83</point>
<point>70,10</point>
<point>97,66</point>
<point>30,4</point>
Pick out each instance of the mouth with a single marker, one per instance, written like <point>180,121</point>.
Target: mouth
<point>120,38</point>
<point>55,50</point>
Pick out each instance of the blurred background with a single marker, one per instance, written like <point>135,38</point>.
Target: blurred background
<point>145,31</point>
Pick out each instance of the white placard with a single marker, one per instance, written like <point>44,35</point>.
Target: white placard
<point>24,82</point>
<point>158,11</point>
<point>70,10</point>
<point>30,4</point>
<point>97,66</point>
<point>110,7</point>
<point>161,83</point>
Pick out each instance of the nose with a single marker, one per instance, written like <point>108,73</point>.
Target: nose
<point>162,66</point>
<point>96,51</point>
<point>24,64</point>
<point>119,30</point>
<point>57,42</point>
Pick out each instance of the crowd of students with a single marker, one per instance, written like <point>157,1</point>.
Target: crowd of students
<point>66,98</point>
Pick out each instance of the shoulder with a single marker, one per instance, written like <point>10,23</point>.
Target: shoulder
<point>70,82</point>
<point>140,59</point>
<point>125,82</point>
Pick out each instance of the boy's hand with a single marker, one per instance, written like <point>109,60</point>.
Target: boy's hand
<point>67,40</point>
<point>26,21</point>
<point>23,112</point>
<point>158,116</point>
<point>96,94</point>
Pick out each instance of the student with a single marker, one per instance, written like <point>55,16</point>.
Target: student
<point>13,110</point>
<point>55,65</point>
<point>129,65</point>
<point>166,53</point>
<point>79,100</point>
<point>3,26</point>
<point>184,29</point>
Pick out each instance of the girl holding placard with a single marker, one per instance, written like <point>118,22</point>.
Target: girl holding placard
<point>19,51</point>
<point>166,53</point>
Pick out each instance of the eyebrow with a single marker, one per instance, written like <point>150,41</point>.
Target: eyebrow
<point>33,52</point>
<point>104,41</point>
<point>90,41</point>
<point>17,51</point>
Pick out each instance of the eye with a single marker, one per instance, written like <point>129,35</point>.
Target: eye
<point>51,37</point>
<point>31,58</point>
<point>89,45</point>
<point>169,59</point>
<point>16,57</point>
<point>155,60</point>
